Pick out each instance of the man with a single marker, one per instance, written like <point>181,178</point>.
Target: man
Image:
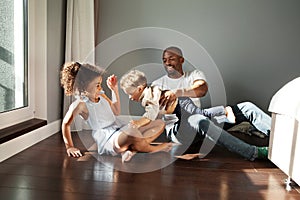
<point>193,85</point>
<point>183,84</point>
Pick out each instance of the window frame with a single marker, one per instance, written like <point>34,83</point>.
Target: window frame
<point>21,114</point>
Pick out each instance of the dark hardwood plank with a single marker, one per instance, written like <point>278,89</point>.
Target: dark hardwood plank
<point>44,171</point>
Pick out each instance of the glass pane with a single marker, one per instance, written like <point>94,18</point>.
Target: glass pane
<point>13,92</point>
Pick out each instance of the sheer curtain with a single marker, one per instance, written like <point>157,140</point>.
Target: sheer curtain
<point>81,19</point>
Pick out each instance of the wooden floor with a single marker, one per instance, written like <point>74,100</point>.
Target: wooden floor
<point>45,172</point>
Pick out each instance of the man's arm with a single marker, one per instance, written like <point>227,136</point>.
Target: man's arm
<point>198,89</point>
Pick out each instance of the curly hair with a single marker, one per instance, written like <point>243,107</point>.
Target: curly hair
<point>76,77</point>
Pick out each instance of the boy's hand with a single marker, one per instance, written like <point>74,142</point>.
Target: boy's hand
<point>74,152</point>
<point>167,98</point>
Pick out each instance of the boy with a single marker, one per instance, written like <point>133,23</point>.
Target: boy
<point>134,84</point>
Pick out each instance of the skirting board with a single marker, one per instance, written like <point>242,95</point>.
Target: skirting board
<point>21,143</point>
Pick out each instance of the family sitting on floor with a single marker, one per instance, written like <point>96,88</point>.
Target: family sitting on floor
<point>169,107</point>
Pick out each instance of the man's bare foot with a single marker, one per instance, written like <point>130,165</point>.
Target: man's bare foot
<point>189,156</point>
<point>230,117</point>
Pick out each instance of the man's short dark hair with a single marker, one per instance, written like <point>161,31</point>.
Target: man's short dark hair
<point>175,50</point>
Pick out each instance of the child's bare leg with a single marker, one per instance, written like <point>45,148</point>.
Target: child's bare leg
<point>152,130</point>
<point>123,142</point>
<point>122,145</point>
<point>140,142</point>
<point>142,145</point>
<point>129,145</point>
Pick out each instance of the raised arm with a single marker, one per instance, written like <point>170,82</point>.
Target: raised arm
<point>112,83</point>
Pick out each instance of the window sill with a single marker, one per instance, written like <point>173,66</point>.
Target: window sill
<point>17,130</point>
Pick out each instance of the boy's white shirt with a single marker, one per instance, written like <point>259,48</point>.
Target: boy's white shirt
<point>150,101</point>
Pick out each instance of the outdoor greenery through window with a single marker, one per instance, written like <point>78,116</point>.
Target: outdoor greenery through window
<point>13,55</point>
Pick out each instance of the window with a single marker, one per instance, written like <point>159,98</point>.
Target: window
<point>14,93</point>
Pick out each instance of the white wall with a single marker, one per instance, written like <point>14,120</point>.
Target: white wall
<point>255,44</point>
<point>46,41</point>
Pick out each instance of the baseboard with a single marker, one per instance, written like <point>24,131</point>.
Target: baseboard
<point>19,129</point>
<point>22,142</point>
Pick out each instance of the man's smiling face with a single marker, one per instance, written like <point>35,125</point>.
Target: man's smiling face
<point>173,64</point>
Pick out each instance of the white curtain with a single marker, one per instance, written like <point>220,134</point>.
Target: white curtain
<point>80,40</point>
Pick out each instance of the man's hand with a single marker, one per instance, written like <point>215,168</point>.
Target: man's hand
<point>167,99</point>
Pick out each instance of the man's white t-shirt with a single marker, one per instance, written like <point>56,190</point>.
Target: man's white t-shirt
<point>185,81</point>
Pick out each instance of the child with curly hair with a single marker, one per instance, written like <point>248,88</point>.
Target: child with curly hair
<point>84,82</point>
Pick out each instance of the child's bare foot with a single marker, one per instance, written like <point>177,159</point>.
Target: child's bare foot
<point>230,117</point>
<point>127,155</point>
